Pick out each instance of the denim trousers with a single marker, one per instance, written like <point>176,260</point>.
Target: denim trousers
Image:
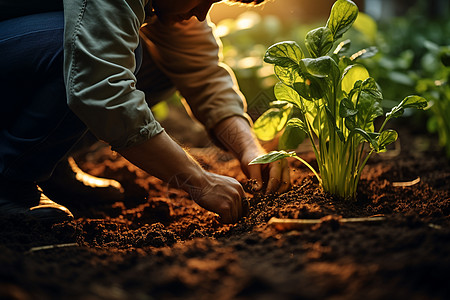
<point>37,128</point>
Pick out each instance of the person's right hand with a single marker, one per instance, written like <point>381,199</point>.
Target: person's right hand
<point>165,159</point>
<point>220,194</point>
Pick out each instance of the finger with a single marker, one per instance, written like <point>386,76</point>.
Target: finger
<point>285,179</point>
<point>238,199</point>
<point>274,177</point>
<point>239,207</point>
<point>226,216</point>
<point>255,174</point>
<point>234,213</point>
<point>245,207</point>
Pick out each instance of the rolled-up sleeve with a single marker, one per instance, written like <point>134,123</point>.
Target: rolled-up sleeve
<point>100,39</point>
<point>189,54</point>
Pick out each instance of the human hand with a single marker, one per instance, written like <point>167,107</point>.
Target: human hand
<point>235,133</point>
<point>220,194</point>
<point>275,174</point>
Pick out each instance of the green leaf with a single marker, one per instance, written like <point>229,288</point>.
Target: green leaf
<point>312,88</point>
<point>346,108</point>
<point>285,93</point>
<point>342,47</point>
<point>367,26</point>
<point>386,137</point>
<point>351,75</point>
<point>368,109</point>
<point>350,123</point>
<point>296,122</point>
<point>370,87</point>
<point>409,102</point>
<point>160,111</point>
<point>287,76</point>
<point>278,104</point>
<point>343,14</point>
<point>364,53</point>
<point>271,122</point>
<point>293,135</point>
<point>319,41</point>
<point>284,54</point>
<point>368,137</point>
<point>318,76</point>
<point>271,157</point>
<point>321,67</point>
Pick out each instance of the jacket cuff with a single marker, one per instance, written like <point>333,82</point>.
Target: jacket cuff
<point>144,134</point>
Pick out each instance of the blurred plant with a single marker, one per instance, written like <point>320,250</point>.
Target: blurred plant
<point>402,44</point>
<point>435,87</point>
<point>245,40</point>
<point>410,60</point>
<point>329,99</point>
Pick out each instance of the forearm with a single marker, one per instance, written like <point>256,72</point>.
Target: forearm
<point>164,158</point>
<point>237,136</point>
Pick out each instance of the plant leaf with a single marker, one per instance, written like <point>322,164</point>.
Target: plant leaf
<point>319,41</point>
<point>284,54</point>
<point>367,26</point>
<point>271,122</point>
<point>284,93</point>
<point>296,122</point>
<point>364,53</point>
<point>342,47</point>
<point>271,157</point>
<point>321,67</point>
<point>350,123</point>
<point>351,75</point>
<point>368,137</point>
<point>409,102</point>
<point>368,109</point>
<point>370,87</point>
<point>346,108</point>
<point>293,135</point>
<point>311,88</point>
<point>343,14</point>
<point>386,137</point>
<point>287,76</point>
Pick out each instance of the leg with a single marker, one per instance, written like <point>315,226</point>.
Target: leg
<point>37,128</point>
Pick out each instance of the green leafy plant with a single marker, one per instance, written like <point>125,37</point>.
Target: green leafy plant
<point>331,100</point>
<point>435,86</point>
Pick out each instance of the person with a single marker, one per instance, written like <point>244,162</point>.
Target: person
<point>76,65</point>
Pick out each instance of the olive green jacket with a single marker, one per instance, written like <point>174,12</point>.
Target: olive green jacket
<point>99,61</point>
<point>100,39</point>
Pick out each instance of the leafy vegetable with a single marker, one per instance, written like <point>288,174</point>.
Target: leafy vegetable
<point>332,101</point>
<point>435,86</point>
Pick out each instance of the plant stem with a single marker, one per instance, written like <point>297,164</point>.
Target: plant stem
<point>309,166</point>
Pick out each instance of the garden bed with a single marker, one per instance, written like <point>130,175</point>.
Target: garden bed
<point>158,244</point>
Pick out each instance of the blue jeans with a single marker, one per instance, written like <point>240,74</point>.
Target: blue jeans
<point>37,128</point>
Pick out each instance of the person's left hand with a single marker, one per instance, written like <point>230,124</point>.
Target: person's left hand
<point>275,175</point>
<point>236,135</point>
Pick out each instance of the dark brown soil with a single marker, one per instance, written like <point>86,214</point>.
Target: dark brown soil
<point>158,244</point>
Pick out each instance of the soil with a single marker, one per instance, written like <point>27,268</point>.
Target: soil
<point>158,244</point>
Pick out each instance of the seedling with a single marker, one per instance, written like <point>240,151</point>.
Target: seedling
<point>331,100</point>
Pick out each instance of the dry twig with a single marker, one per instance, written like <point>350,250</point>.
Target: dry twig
<point>291,224</point>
